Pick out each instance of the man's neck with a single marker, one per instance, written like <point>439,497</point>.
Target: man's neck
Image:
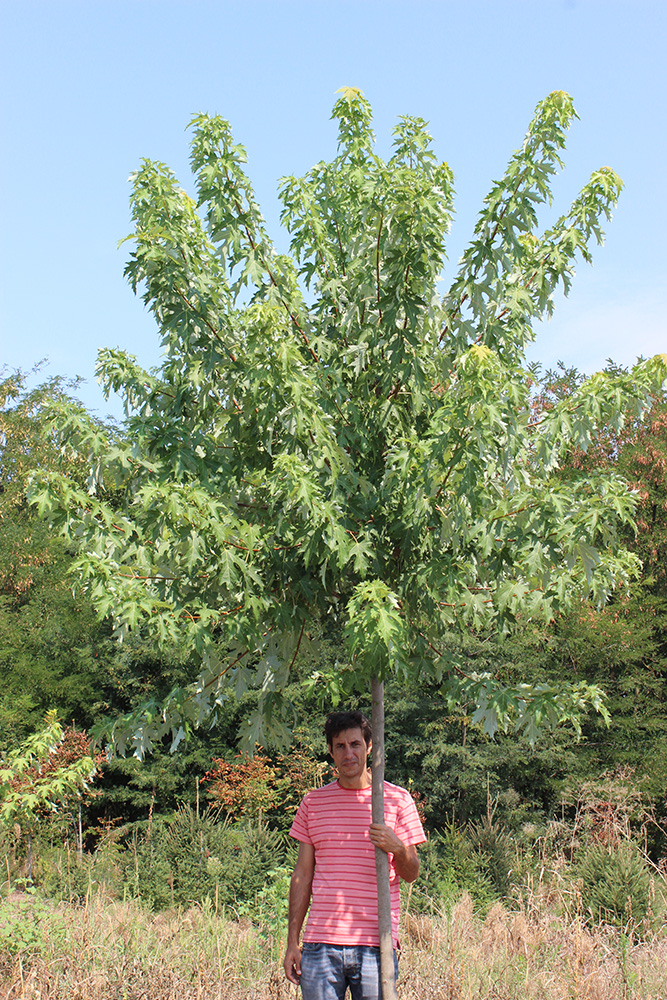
<point>362,781</point>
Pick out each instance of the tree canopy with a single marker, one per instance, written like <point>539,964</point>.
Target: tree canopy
<point>332,440</point>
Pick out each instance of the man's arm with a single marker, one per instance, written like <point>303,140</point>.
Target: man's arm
<point>299,900</point>
<point>406,861</point>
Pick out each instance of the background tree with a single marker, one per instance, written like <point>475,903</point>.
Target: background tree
<point>53,768</point>
<point>637,448</point>
<point>364,453</point>
<point>48,639</point>
<point>55,653</point>
<point>622,646</point>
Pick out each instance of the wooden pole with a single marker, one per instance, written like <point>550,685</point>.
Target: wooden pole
<point>381,858</point>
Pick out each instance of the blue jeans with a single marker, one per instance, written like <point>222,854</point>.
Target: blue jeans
<point>328,969</point>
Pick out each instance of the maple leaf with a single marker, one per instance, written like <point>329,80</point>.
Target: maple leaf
<point>350,93</point>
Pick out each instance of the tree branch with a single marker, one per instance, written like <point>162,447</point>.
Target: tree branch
<point>216,333</point>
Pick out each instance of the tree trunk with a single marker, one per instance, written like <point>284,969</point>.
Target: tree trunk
<point>381,858</point>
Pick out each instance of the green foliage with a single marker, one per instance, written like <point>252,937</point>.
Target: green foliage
<point>28,927</point>
<point>192,857</point>
<point>332,440</point>
<point>438,750</point>
<point>67,875</point>
<point>450,866</point>
<point>268,909</point>
<point>48,638</point>
<point>621,647</point>
<point>636,446</point>
<point>615,884</point>
<point>33,780</point>
<point>53,651</point>
<point>476,858</point>
<point>498,850</point>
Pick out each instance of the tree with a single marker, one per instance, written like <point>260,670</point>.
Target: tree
<point>50,769</point>
<point>622,646</point>
<point>248,786</point>
<point>47,637</point>
<point>330,439</point>
<point>637,448</point>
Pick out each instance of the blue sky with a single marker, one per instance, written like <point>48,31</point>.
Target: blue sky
<point>90,87</point>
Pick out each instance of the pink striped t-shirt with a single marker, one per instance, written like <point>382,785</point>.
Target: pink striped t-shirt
<point>335,821</point>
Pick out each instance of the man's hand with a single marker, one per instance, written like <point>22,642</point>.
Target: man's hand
<point>292,963</point>
<point>406,861</point>
<point>383,836</point>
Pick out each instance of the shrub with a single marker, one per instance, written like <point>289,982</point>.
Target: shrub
<point>190,857</point>
<point>268,909</point>
<point>64,874</point>
<point>615,884</point>
<point>497,852</point>
<point>452,865</point>
<point>28,926</point>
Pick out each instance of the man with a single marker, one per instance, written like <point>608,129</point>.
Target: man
<point>335,871</point>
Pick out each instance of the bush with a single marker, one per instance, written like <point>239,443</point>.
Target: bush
<point>615,884</point>
<point>190,857</point>
<point>28,926</point>
<point>63,874</point>
<point>268,909</point>
<point>452,865</point>
<point>497,852</point>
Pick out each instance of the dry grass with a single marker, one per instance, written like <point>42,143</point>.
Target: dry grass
<point>514,955</point>
<point>109,950</point>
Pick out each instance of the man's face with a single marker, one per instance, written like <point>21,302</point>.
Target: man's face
<point>349,752</point>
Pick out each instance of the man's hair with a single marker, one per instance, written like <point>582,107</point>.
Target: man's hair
<point>338,722</point>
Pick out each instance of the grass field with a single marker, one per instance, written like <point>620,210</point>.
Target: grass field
<point>111,950</point>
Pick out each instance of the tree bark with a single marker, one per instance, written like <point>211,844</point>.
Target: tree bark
<point>381,858</point>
